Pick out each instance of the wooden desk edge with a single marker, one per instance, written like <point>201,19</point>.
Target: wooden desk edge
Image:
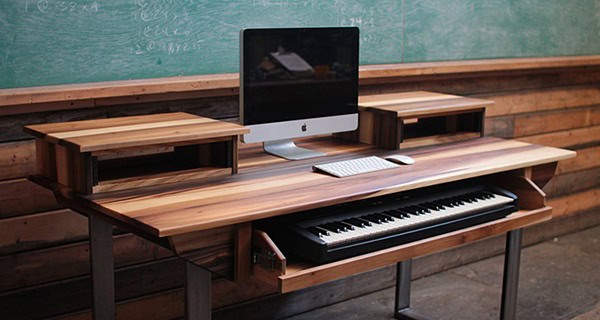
<point>558,154</point>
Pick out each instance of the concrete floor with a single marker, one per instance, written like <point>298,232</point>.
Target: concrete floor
<point>559,279</point>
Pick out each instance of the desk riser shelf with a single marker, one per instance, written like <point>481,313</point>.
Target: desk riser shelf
<point>410,119</point>
<point>95,156</point>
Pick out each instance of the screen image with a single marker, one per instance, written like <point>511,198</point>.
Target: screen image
<point>299,73</point>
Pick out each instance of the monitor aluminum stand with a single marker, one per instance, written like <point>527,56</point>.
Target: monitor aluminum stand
<point>287,149</point>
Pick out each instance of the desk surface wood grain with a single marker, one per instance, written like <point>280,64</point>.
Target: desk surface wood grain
<point>127,132</point>
<point>267,186</point>
<point>419,103</point>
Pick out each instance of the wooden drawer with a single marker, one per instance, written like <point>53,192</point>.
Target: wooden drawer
<point>271,266</point>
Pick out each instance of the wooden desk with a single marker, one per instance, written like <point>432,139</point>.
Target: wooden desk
<point>209,223</point>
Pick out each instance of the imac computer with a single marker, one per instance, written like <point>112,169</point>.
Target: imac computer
<point>297,82</point>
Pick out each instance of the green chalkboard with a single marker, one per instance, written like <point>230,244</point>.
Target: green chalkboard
<point>45,42</point>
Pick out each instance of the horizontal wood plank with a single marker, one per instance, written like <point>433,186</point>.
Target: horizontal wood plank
<point>515,102</point>
<point>537,123</point>
<point>17,159</point>
<point>573,182</point>
<point>566,139</point>
<point>41,230</point>
<point>128,132</point>
<point>21,196</point>
<point>45,301</point>
<point>66,261</point>
<point>574,203</point>
<point>485,82</point>
<point>587,158</point>
<point>87,127</point>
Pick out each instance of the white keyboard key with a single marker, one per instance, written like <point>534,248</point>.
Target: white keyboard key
<point>355,166</point>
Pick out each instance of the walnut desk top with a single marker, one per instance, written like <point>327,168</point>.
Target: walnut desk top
<point>267,186</point>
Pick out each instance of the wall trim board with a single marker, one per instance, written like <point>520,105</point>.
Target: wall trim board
<point>88,95</point>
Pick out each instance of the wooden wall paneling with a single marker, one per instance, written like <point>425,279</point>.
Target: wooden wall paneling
<point>11,127</point>
<point>21,196</point>
<point>574,138</point>
<point>74,294</point>
<point>30,98</point>
<point>556,120</point>
<point>587,158</point>
<point>41,230</point>
<point>45,159</point>
<point>211,249</point>
<point>480,83</point>
<point>576,202</point>
<point>523,101</point>
<point>501,127</point>
<point>142,308</point>
<point>17,159</point>
<point>72,260</point>
<point>573,182</point>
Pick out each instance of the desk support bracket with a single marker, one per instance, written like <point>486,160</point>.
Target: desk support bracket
<point>197,293</point>
<point>402,309</point>
<point>510,282</point>
<point>102,268</point>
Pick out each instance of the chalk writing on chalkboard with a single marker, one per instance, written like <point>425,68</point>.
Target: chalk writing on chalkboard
<point>47,6</point>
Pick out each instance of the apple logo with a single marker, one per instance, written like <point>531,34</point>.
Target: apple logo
<point>304,127</point>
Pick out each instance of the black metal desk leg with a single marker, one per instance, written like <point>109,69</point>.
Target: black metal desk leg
<point>197,293</point>
<point>102,268</point>
<point>510,283</point>
<point>402,309</point>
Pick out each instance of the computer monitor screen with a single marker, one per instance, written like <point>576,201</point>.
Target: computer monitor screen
<point>298,82</point>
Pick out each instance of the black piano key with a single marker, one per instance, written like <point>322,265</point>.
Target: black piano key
<point>365,221</point>
<point>465,198</point>
<point>347,225</point>
<point>455,201</point>
<point>479,195</point>
<point>356,222</point>
<point>331,227</point>
<point>317,231</point>
<point>423,209</point>
<point>394,213</point>
<point>342,226</point>
<point>489,195</point>
<point>384,217</point>
<point>440,203</point>
<point>473,197</point>
<point>432,206</point>
<point>409,210</point>
<point>417,210</point>
<point>447,203</point>
<point>372,218</point>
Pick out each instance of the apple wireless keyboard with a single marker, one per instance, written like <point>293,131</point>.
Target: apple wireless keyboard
<point>353,167</point>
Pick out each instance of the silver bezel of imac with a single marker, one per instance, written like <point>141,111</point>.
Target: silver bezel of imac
<point>277,137</point>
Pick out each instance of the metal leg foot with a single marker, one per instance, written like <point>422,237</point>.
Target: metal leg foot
<point>510,283</point>
<point>197,293</point>
<point>402,309</point>
<point>102,268</point>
